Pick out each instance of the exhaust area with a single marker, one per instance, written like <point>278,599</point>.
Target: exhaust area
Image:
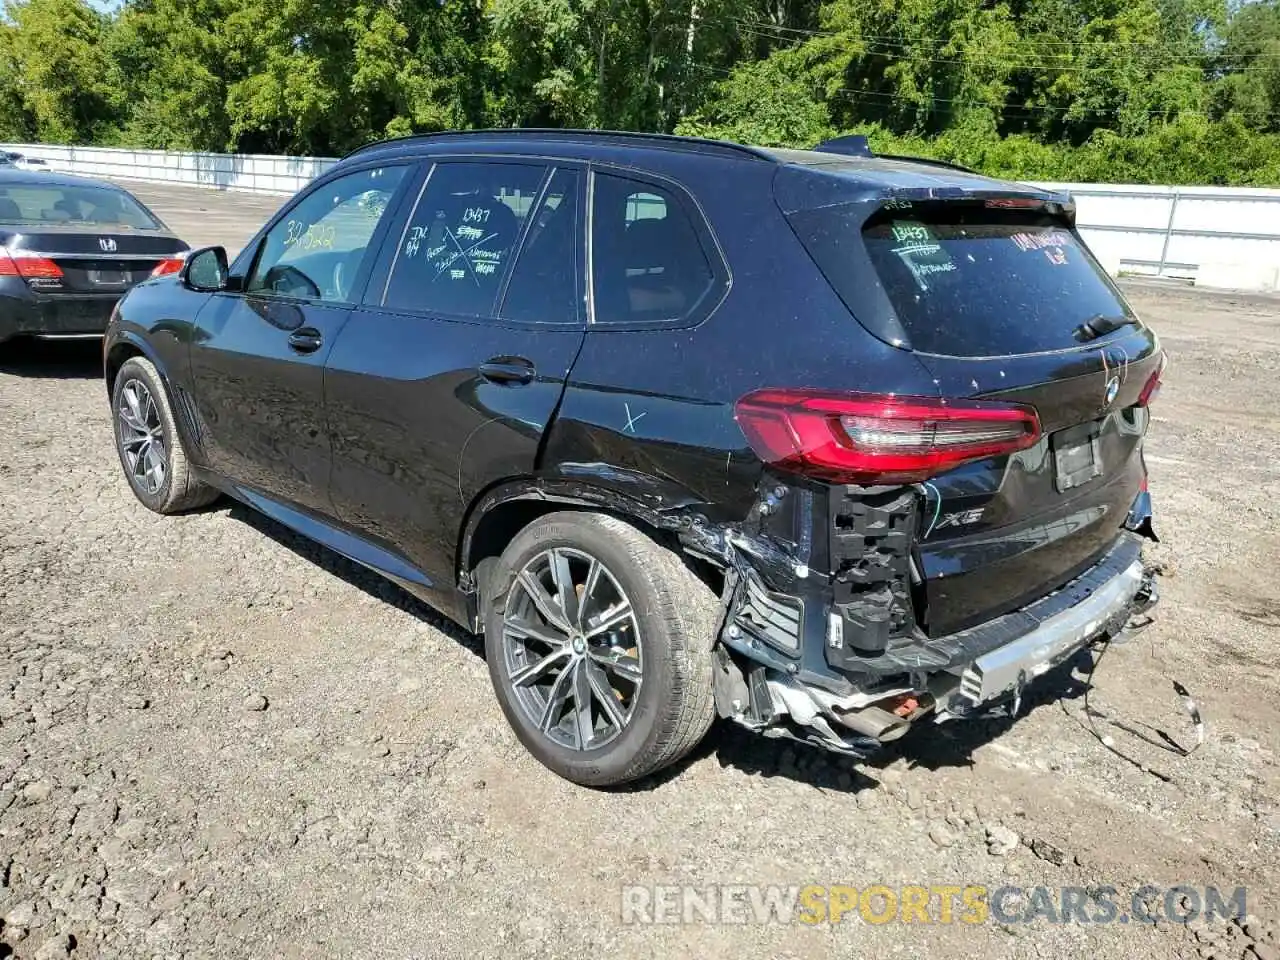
<point>875,722</point>
<point>881,716</point>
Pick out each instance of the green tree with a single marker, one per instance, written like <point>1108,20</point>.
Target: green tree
<point>1168,90</point>
<point>1248,66</point>
<point>16,125</point>
<point>764,103</point>
<point>169,62</point>
<point>61,71</point>
<point>547,52</point>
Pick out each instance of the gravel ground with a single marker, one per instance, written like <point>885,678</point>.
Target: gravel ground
<point>217,739</point>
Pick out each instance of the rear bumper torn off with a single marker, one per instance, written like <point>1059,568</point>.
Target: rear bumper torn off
<point>963,674</point>
<point>1008,668</point>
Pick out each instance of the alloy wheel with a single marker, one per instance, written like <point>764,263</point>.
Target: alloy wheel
<point>142,437</point>
<point>572,649</point>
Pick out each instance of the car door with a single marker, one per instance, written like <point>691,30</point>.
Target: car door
<point>258,350</point>
<point>445,378</point>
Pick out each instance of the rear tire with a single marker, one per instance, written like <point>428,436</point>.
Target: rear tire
<point>636,643</point>
<point>148,443</point>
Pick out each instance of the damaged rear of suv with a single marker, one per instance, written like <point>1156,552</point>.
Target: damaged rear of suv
<point>964,535</point>
<point>942,492</point>
<point>826,443</point>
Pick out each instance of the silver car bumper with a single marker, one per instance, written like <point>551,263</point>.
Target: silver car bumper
<point>1007,669</point>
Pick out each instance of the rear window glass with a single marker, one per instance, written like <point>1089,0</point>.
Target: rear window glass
<point>647,262</point>
<point>53,204</point>
<point>966,280</point>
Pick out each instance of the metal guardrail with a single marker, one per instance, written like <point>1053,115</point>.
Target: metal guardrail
<point>220,171</point>
<point>1214,236</point>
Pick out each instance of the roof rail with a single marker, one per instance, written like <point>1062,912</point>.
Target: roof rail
<point>556,133</point>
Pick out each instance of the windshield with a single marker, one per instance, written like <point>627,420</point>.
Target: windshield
<point>971,280</point>
<point>52,204</point>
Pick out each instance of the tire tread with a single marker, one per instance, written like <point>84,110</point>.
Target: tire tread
<point>669,598</point>
<point>184,491</point>
<point>690,626</point>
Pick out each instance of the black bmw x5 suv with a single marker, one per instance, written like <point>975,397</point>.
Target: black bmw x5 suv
<point>827,443</point>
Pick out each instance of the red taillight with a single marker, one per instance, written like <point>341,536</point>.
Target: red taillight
<point>168,266</point>
<point>19,263</point>
<point>1151,389</point>
<point>1013,203</point>
<point>874,438</point>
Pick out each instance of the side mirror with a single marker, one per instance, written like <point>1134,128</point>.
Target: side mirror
<point>205,270</point>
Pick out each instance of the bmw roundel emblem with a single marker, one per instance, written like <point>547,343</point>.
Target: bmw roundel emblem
<point>1113,387</point>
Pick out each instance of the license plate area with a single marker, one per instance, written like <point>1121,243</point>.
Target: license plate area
<point>108,278</point>
<point>1076,457</point>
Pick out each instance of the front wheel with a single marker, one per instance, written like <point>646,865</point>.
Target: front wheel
<point>148,444</point>
<point>599,647</point>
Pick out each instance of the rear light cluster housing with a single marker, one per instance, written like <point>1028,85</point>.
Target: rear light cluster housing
<point>169,265</point>
<point>1151,389</point>
<point>874,439</point>
<point>29,266</point>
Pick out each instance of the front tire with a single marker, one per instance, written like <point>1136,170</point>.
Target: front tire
<point>599,642</point>
<point>148,444</point>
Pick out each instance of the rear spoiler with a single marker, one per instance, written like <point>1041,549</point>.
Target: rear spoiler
<point>856,145</point>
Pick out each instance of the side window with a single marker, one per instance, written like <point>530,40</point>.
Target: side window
<point>458,243</point>
<point>544,281</point>
<point>647,263</point>
<point>316,251</point>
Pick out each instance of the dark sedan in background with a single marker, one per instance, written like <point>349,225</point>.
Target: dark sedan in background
<point>69,249</point>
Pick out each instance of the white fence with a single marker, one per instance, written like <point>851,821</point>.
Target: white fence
<point>221,171</point>
<point>1214,236</point>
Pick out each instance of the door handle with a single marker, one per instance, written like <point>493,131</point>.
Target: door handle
<point>509,371</point>
<point>306,340</point>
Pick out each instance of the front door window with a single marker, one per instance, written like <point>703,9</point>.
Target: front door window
<point>315,252</point>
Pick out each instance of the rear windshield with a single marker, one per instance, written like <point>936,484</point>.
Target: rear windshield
<point>44,203</point>
<point>968,280</point>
